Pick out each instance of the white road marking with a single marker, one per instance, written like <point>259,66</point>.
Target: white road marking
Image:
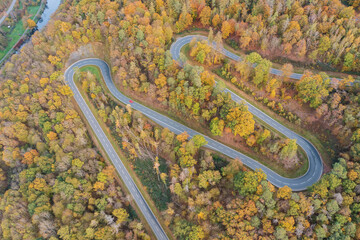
<point>174,126</point>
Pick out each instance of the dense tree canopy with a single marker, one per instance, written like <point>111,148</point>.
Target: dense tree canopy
<point>54,183</point>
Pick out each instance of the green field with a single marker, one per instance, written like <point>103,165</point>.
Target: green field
<point>15,33</point>
<point>93,70</point>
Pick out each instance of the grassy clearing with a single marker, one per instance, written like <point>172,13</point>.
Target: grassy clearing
<point>32,10</point>
<point>159,192</point>
<point>15,33</point>
<point>115,143</point>
<point>14,37</point>
<point>93,70</point>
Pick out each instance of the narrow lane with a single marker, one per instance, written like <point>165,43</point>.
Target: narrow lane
<point>181,42</point>
<point>297,184</point>
<point>315,169</point>
<point>121,169</point>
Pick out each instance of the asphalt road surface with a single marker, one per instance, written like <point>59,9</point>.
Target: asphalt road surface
<point>8,11</point>
<point>312,175</point>
<point>181,42</point>
<point>124,174</point>
<point>315,169</point>
<point>297,184</point>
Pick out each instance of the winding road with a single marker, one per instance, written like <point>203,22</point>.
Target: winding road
<point>8,11</point>
<point>312,175</point>
<point>315,169</point>
<point>297,184</point>
<point>181,42</point>
<point>121,169</point>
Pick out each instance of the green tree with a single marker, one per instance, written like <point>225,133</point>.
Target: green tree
<point>121,34</point>
<point>247,182</point>
<point>140,35</point>
<point>332,207</point>
<point>348,62</point>
<point>313,88</point>
<point>261,74</point>
<point>280,233</point>
<point>356,136</point>
<point>355,151</point>
<point>263,136</point>
<point>209,177</point>
<point>200,56</point>
<point>199,141</point>
<point>320,232</point>
<point>217,126</point>
<point>182,229</point>
<point>324,44</point>
<point>333,180</point>
<point>289,150</point>
<point>253,57</point>
<point>64,232</point>
<point>339,170</point>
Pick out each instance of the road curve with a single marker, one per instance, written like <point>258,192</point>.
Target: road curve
<point>136,194</point>
<point>297,184</point>
<point>315,169</point>
<point>181,42</point>
<point>8,11</point>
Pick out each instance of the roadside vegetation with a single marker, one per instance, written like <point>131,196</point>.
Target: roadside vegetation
<point>54,184</point>
<point>290,31</point>
<point>269,147</point>
<point>4,5</point>
<point>22,17</point>
<point>205,186</point>
<point>282,95</point>
<point>154,190</point>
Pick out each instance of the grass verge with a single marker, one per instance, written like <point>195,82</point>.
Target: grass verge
<point>159,192</point>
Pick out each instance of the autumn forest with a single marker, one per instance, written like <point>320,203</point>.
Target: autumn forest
<point>300,65</point>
